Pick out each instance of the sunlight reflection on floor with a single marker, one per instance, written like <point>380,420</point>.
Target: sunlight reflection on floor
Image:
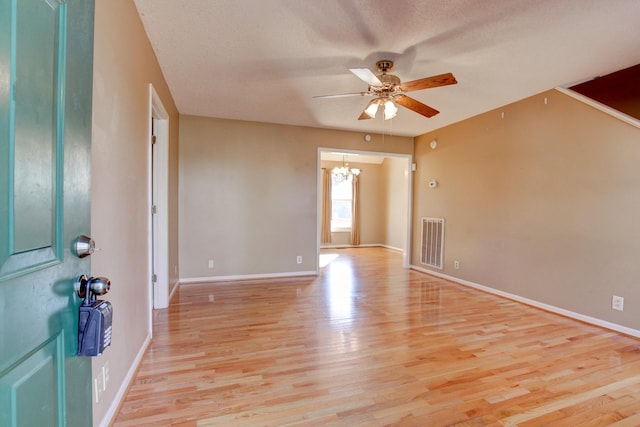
<point>325,259</point>
<point>340,293</point>
<point>339,300</point>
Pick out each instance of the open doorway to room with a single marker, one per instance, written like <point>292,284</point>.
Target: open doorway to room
<point>383,207</point>
<point>158,195</point>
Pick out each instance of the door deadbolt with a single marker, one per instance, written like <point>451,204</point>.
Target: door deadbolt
<point>84,246</point>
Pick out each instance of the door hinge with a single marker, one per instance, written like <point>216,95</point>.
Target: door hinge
<point>154,209</point>
<point>154,278</point>
<point>153,139</point>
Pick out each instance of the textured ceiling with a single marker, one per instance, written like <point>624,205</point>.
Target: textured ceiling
<point>264,60</point>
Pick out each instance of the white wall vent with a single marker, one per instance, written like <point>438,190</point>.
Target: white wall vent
<point>432,242</point>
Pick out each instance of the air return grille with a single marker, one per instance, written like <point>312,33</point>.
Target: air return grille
<point>432,242</point>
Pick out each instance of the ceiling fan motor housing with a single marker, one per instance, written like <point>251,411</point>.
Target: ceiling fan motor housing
<point>384,65</point>
<point>390,82</point>
<point>389,79</point>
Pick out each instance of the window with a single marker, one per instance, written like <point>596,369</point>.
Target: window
<point>341,202</point>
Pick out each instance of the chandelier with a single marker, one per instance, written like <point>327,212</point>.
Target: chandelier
<point>344,172</point>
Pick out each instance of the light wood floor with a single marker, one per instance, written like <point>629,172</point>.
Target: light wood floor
<point>368,343</point>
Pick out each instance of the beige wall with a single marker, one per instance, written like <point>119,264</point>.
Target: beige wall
<point>124,65</point>
<point>543,203</point>
<point>249,194</point>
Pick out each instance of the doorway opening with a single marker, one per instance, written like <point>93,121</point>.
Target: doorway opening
<point>158,201</point>
<point>394,173</point>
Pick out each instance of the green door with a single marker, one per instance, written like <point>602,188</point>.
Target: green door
<point>46,51</point>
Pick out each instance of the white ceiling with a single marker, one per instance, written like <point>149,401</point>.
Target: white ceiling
<point>264,60</point>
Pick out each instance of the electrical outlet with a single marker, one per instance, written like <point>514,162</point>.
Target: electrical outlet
<point>299,259</point>
<point>105,375</point>
<point>98,387</point>
<point>456,264</point>
<point>617,303</point>
<point>211,263</point>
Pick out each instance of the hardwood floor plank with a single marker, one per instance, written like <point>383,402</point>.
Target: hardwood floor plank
<point>368,343</point>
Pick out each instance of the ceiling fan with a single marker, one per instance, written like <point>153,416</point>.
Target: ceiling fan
<point>388,91</point>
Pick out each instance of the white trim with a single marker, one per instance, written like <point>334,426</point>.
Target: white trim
<point>111,413</point>
<point>366,245</point>
<point>194,280</point>
<point>599,106</point>
<point>173,291</point>
<point>392,248</point>
<point>159,247</point>
<point>149,204</point>
<point>547,307</point>
<point>406,259</point>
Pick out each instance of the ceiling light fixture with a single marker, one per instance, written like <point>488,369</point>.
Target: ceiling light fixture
<point>344,172</point>
<point>372,108</point>
<point>390,109</point>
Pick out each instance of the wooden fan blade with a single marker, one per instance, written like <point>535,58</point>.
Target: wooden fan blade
<point>367,76</point>
<point>416,106</point>
<point>428,82</point>
<point>342,95</point>
<point>364,116</point>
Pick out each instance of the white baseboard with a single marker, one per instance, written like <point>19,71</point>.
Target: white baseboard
<point>173,291</point>
<point>348,246</point>
<point>124,386</point>
<point>368,245</point>
<point>547,307</point>
<point>194,280</point>
<point>393,248</point>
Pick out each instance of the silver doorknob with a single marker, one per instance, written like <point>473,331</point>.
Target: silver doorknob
<point>93,285</point>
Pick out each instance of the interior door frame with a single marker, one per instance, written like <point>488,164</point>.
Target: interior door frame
<point>406,251</point>
<point>158,183</point>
